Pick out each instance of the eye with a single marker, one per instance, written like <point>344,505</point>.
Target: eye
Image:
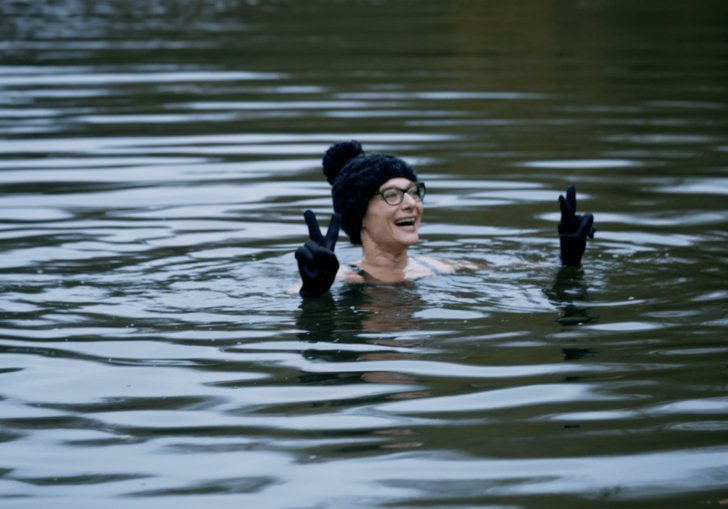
<point>390,194</point>
<point>415,192</point>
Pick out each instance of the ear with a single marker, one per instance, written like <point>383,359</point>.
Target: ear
<point>364,219</point>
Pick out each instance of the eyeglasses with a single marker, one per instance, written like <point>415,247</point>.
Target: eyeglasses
<point>395,195</point>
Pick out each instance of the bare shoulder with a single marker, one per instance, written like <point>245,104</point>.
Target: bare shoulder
<point>450,266</point>
<point>346,275</point>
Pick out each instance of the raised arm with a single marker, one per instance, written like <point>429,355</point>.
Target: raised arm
<point>317,262</point>
<point>573,229</point>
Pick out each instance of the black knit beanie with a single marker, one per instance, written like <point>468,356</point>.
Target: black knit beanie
<point>356,176</point>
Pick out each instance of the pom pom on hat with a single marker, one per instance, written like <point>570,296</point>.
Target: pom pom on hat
<point>337,156</point>
<point>355,177</point>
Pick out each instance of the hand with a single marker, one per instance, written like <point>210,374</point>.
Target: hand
<point>573,229</point>
<point>317,262</point>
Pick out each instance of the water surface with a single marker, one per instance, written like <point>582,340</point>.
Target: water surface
<point>156,159</point>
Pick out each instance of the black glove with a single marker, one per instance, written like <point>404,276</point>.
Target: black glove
<point>317,262</point>
<point>573,229</point>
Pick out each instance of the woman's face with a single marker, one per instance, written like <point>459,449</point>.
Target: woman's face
<point>393,226</point>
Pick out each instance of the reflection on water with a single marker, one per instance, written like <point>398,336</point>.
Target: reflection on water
<point>570,292</point>
<point>156,161</point>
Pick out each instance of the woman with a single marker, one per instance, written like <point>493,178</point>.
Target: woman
<point>379,203</point>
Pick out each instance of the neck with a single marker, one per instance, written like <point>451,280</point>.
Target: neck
<point>384,264</point>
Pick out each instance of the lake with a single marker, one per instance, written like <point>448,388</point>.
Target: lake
<point>156,158</point>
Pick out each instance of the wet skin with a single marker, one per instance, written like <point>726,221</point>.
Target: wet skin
<point>388,231</point>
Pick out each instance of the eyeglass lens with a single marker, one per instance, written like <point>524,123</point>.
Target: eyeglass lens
<point>395,195</point>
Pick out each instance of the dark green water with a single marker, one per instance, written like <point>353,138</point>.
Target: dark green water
<point>156,158</point>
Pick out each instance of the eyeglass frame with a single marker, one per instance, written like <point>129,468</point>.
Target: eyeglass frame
<point>421,191</point>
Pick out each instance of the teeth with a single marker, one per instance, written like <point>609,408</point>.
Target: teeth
<point>405,222</point>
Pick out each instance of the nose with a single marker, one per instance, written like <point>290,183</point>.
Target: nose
<point>408,201</point>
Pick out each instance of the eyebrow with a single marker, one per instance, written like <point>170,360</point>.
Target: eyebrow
<point>395,187</point>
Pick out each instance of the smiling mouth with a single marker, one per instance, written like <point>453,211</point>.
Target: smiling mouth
<point>404,223</point>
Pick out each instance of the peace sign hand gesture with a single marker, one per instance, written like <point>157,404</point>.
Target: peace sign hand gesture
<point>317,262</point>
<point>573,229</point>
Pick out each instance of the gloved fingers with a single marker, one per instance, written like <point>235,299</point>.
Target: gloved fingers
<point>565,212</point>
<point>327,256</point>
<point>312,246</point>
<point>304,254</point>
<point>313,227</point>
<point>571,199</point>
<point>332,234</point>
<point>591,232</point>
<point>585,225</point>
<point>568,223</point>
